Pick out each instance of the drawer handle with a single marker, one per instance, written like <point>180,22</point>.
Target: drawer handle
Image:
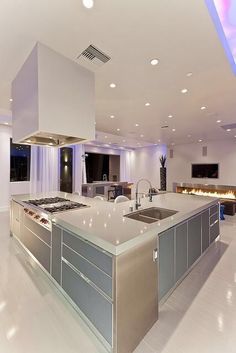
<point>216,221</point>
<point>155,255</point>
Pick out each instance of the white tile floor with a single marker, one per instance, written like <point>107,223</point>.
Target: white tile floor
<point>199,317</point>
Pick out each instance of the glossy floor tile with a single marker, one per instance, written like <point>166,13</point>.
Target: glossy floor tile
<point>199,317</point>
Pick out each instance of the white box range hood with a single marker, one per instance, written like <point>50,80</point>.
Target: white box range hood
<point>53,100</point>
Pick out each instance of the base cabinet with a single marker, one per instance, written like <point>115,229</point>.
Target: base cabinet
<point>181,246</point>
<point>181,253</point>
<point>194,239</point>
<point>166,261</point>
<point>205,230</point>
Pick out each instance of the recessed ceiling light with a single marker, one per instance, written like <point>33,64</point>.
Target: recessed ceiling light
<point>147,104</point>
<point>136,125</point>
<point>109,143</point>
<point>88,4</point>
<point>118,129</point>
<point>200,140</point>
<point>112,116</point>
<point>112,85</point>
<point>218,121</point>
<point>173,130</point>
<point>142,135</point>
<point>154,62</point>
<point>105,137</point>
<point>51,144</point>
<point>189,74</point>
<point>170,116</point>
<point>10,99</point>
<point>203,108</point>
<point>159,140</point>
<point>95,123</point>
<point>228,130</point>
<point>6,123</point>
<point>123,141</point>
<point>184,90</point>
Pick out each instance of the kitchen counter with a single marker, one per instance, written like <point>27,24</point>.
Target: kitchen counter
<point>104,224</point>
<point>101,260</point>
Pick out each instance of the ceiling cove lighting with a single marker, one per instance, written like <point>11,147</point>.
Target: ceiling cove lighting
<point>154,62</point>
<point>112,85</point>
<point>88,4</point>
<point>223,14</point>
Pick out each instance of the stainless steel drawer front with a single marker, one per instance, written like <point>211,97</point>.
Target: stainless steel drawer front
<point>98,277</point>
<point>214,209</point>
<point>97,309</point>
<point>94,255</point>
<point>39,249</point>
<point>214,218</point>
<point>36,228</point>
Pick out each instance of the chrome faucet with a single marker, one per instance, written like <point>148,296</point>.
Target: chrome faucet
<point>137,202</point>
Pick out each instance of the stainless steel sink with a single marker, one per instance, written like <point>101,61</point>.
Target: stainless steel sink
<point>151,215</point>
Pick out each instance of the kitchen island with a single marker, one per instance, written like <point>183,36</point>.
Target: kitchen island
<point>114,269</point>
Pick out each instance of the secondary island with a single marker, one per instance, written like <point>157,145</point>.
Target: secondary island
<point>113,265</point>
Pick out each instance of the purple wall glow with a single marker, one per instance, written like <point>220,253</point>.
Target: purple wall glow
<point>223,13</point>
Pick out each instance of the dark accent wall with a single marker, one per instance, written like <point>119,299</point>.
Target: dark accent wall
<point>66,169</point>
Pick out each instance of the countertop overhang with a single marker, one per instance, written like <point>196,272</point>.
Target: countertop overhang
<point>104,224</point>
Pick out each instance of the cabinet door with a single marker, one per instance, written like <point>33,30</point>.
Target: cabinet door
<point>194,239</point>
<point>205,230</point>
<point>214,230</point>
<point>166,262</point>
<point>181,241</point>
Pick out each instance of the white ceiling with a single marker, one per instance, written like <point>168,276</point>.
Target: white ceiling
<point>179,33</point>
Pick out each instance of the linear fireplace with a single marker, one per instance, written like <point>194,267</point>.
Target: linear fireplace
<point>225,192</point>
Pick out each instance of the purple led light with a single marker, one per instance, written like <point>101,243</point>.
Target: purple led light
<point>223,13</point>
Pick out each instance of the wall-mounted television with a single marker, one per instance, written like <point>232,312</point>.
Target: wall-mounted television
<point>205,171</point>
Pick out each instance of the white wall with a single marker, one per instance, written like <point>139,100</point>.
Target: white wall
<point>222,152</point>
<point>20,187</point>
<point>5,135</point>
<point>145,164</point>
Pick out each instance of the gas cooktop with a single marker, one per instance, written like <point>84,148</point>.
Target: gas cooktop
<point>55,204</point>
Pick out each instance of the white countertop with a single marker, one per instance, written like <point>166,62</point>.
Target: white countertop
<point>104,225</point>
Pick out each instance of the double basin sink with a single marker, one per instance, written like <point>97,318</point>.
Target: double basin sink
<point>151,215</point>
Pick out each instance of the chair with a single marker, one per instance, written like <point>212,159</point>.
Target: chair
<point>121,198</point>
<point>99,198</point>
<point>115,192</point>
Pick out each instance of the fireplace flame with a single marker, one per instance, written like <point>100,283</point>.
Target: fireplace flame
<point>227,195</point>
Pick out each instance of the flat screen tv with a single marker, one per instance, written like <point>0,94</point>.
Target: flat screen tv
<point>205,171</point>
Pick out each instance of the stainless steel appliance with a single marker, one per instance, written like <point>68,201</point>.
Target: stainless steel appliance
<point>55,204</point>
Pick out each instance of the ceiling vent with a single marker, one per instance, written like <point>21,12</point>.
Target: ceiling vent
<point>229,126</point>
<point>93,57</point>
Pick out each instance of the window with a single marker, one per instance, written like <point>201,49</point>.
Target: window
<point>20,162</point>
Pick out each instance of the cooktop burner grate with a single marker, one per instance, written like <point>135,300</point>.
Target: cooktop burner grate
<point>55,204</point>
